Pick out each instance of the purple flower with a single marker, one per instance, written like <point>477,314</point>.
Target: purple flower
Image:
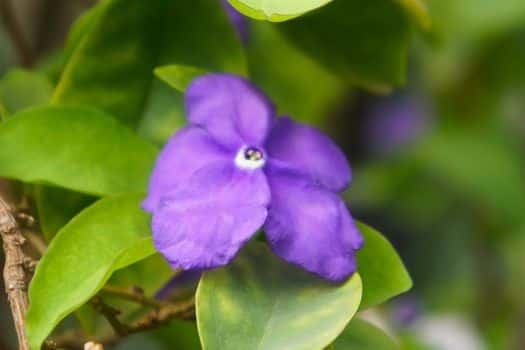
<point>406,311</point>
<point>395,122</point>
<point>239,21</point>
<point>237,168</point>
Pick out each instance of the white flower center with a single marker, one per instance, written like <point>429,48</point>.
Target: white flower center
<point>249,158</point>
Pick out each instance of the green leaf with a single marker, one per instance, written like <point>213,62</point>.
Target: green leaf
<point>363,41</point>
<point>109,235</point>
<point>20,89</point>
<point>382,271</point>
<point>276,10</point>
<point>76,148</point>
<point>465,29</point>
<point>110,67</point>
<point>178,335</point>
<point>361,335</point>
<point>138,274</point>
<point>177,76</point>
<point>56,206</point>
<point>210,43</point>
<point>120,42</point>
<point>418,10</point>
<point>130,38</point>
<point>165,114</point>
<point>261,302</point>
<point>476,19</point>
<point>285,81</point>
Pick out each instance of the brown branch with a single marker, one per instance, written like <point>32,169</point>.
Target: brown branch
<point>70,339</point>
<point>183,310</point>
<point>14,273</point>
<point>111,315</point>
<point>15,31</point>
<point>132,294</point>
<point>156,318</point>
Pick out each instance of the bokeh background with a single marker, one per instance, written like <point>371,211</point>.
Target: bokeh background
<point>438,165</point>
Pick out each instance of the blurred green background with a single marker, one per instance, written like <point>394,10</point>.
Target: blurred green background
<point>438,165</point>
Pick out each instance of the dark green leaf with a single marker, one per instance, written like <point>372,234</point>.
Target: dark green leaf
<point>285,81</point>
<point>122,41</point>
<point>464,28</point>
<point>363,41</point>
<point>111,234</point>
<point>209,43</point>
<point>20,89</point>
<point>178,335</point>
<point>383,273</point>
<point>261,302</point>
<point>56,206</point>
<point>101,73</point>
<point>111,65</point>
<point>276,10</point>
<point>75,148</point>
<point>165,114</point>
<point>361,335</point>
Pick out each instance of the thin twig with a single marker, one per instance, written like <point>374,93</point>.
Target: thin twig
<point>156,318</point>
<point>111,315</point>
<point>133,294</point>
<point>14,273</point>
<point>70,339</point>
<point>182,310</point>
<point>15,31</point>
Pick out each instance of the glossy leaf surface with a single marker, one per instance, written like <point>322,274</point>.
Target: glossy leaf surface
<point>384,274</point>
<point>261,302</point>
<point>76,148</point>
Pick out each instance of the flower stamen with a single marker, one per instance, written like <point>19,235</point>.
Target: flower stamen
<point>250,158</point>
<point>253,154</point>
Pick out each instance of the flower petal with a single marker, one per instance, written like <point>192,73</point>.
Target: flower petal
<point>310,226</point>
<point>308,151</point>
<point>183,281</point>
<point>187,151</point>
<point>204,223</point>
<point>233,110</point>
<point>239,21</point>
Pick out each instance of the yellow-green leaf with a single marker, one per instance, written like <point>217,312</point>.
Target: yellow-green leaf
<point>109,235</point>
<point>76,148</point>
